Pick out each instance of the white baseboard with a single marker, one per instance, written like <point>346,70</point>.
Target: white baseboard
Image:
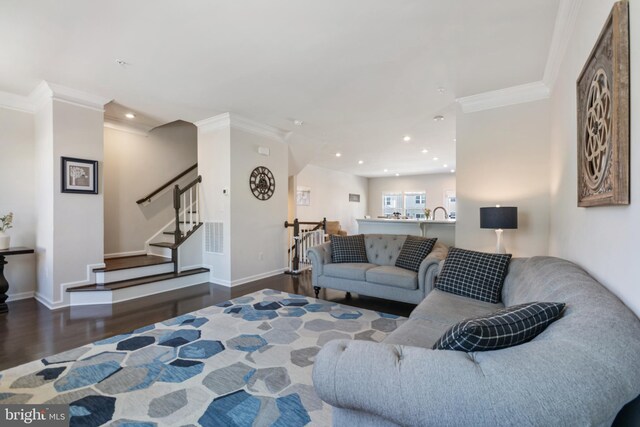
<point>46,301</point>
<point>20,295</point>
<point>125,254</point>
<point>242,281</point>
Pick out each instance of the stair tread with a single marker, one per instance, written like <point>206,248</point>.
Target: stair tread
<point>163,245</point>
<point>136,282</point>
<point>124,263</point>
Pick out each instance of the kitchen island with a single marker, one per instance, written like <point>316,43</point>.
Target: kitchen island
<point>444,230</point>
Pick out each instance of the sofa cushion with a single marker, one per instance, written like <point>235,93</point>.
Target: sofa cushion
<point>505,328</point>
<point>473,274</point>
<point>383,249</point>
<point>417,333</point>
<point>351,271</point>
<point>449,308</point>
<point>348,249</point>
<point>414,250</point>
<point>393,276</point>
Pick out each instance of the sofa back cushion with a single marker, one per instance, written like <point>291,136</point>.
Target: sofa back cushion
<point>414,250</point>
<point>348,249</point>
<point>473,274</point>
<point>383,249</point>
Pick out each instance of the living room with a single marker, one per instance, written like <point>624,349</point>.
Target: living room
<point>311,111</point>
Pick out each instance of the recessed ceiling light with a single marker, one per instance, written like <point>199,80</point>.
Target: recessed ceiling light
<point>360,162</point>
<point>444,166</point>
<point>441,89</point>
<point>406,138</point>
<point>338,154</point>
<point>397,174</point>
<point>298,122</point>
<point>386,170</point>
<point>435,159</point>
<point>425,151</point>
<point>455,139</point>
<point>130,116</point>
<point>438,118</point>
<point>453,170</point>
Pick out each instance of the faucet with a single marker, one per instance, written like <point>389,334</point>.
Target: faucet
<point>446,216</point>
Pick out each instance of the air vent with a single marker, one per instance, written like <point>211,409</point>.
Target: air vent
<point>214,237</point>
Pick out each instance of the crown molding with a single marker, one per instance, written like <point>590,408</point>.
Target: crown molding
<point>46,91</point>
<point>115,124</point>
<point>15,102</point>
<point>562,31</point>
<point>220,121</point>
<point>502,97</point>
<point>229,120</point>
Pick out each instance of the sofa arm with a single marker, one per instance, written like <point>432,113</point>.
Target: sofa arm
<point>430,267</point>
<point>319,256</point>
<point>409,386</point>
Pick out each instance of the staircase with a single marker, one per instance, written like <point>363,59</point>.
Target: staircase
<point>160,270</point>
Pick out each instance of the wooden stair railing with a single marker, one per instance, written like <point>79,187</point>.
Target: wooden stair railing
<point>186,205</point>
<point>295,261</point>
<point>167,184</point>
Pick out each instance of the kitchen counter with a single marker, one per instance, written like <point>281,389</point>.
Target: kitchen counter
<point>444,230</point>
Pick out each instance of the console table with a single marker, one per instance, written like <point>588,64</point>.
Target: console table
<point>4,285</point>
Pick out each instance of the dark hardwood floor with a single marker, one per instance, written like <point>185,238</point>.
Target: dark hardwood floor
<point>31,331</point>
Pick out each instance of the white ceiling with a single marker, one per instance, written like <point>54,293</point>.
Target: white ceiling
<point>360,73</point>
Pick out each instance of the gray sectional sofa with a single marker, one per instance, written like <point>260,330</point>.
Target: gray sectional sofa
<point>380,277</point>
<point>580,371</point>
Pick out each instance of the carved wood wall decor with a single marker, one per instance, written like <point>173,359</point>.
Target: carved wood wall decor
<point>603,116</point>
<point>262,183</point>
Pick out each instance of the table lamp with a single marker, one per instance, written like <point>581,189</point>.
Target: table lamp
<point>499,218</point>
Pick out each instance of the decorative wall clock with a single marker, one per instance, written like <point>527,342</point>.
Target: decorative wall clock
<point>603,116</point>
<point>262,183</point>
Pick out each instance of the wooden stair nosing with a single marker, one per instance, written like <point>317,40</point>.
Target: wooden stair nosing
<point>160,260</point>
<point>107,287</point>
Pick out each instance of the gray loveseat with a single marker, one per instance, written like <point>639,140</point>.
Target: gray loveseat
<point>579,372</point>
<point>379,277</point>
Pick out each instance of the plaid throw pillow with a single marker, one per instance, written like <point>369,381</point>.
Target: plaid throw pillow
<point>348,249</point>
<point>476,275</point>
<point>414,250</point>
<point>504,328</point>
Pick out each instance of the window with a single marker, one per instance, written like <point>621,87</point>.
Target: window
<point>391,202</point>
<point>414,204</point>
<point>411,204</point>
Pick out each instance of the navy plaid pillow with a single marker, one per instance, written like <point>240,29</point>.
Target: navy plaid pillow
<point>476,275</point>
<point>348,249</point>
<point>504,328</point>
<point>414,250</point>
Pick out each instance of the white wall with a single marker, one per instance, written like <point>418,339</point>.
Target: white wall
<point>435,186</point>
<point>257,227</point>
<point>604,240</point>
<point>17,173</point>
<point>503,158</point>
<point>78,233</point>
<point>330,196</point>
<point>135,165</point>
<point>214,164</point>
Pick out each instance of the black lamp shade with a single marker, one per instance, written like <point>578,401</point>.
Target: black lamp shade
<point>502,217</point>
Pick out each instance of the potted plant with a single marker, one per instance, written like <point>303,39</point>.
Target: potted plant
<point>5,224</point>
<point>427,213</point>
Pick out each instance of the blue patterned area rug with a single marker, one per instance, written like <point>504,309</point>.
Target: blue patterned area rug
<point>244,362</point>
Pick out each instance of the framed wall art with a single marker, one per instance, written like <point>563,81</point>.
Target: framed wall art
<point>603,116</point>
<point>79,176</point>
